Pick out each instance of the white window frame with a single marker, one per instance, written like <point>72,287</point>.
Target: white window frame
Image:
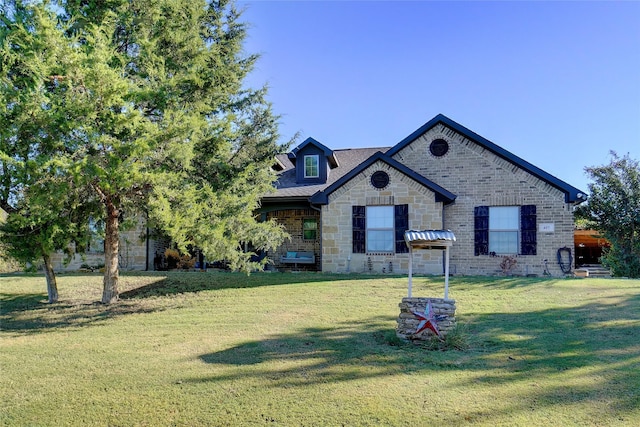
<point>380,222</point>
<point>504,230</point>
<point>316,159</point>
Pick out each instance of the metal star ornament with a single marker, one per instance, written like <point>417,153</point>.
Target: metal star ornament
<point>427,321</point>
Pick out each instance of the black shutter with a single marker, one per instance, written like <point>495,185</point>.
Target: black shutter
<point>359,229</point>
<point>481,230</point>
<point>401,214</point>
<point>528,228</point>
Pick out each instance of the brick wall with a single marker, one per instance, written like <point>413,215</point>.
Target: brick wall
<point>479,177</point>
<point>293,219</point>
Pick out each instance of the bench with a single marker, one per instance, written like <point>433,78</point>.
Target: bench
<point>296,258</point>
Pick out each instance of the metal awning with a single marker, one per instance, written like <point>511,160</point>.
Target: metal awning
<point>430,239</point>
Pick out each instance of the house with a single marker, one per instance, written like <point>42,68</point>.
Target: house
<point>347,210</point>
<point>136,250</point>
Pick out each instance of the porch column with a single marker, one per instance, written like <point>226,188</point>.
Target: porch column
<point>446,272</point>
<point>410,269</point>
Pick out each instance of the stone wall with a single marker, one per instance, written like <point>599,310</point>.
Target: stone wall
<point>444,311</point>
<point>480,178</point>
<point>132,253</point>
<point>336,229</point>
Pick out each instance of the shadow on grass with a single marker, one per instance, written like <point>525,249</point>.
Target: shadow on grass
<point>37,316</point>
<point>594,347</point>
<point>588,354</point>
<point>506,282</point>
<point>30,313</point>
<point>318,355</point>
<point>173,283</point>
<point>20,302</point>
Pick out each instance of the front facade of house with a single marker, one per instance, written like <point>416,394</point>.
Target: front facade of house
<point>352,207</point>
<point>347,210</point>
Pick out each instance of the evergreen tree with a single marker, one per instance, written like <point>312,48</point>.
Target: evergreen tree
<point>148,114</point>
<point>45,212</point>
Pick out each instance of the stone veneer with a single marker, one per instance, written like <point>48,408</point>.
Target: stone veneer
<point>408,322</point>
<point>480,178</point>
<point>132,253</point>
<point>336,227</point>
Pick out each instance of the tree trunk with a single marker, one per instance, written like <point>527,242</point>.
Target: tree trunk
<point>52,285</point>
<point>111,244</point>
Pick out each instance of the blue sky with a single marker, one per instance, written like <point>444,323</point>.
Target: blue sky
<point>556,83</point>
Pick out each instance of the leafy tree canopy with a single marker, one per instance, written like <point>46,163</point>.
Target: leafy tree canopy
<point>613,209</point>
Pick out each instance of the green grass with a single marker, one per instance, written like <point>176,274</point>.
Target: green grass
<point>217,349</point>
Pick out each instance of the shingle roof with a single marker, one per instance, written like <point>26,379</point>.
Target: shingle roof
<point>441,194</point>
<point>348,159</point>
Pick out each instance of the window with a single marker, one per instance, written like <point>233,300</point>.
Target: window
<point>95,242</point>
<point>309,229</point>
<point>380,180</point>
<point>505,230</point>
<point>312,166</point>
<point>380,228</point>
<point>504,224</point>
<point>439,147</point>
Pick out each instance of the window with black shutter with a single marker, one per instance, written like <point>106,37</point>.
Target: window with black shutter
<point>377,230</point>
<point>481,228</point>
<point>505,230</point>
<point>359,229</point>
<point>401,225</point>
<point>528,230</point>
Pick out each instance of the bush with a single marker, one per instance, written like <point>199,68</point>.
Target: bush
<point>175,260</point>
<point>621,262</point>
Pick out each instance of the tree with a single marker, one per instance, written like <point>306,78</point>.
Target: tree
<point>145,110</point>
<point>44,211</point>
<point>614,210</point>
<point>48,218</point>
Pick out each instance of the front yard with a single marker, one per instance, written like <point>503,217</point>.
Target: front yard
<point>209,349</point>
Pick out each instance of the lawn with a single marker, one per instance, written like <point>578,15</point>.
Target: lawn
<point>218,349</point>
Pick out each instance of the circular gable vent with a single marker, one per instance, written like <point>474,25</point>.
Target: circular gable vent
<point>380,179</point>
<point>439,147</point>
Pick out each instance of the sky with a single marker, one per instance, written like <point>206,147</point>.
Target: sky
<point>555,83</point>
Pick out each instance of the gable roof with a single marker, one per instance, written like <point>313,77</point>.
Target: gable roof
<point>441,194</point>
<point>288,188</point>
<point>572,194</point>
<point>310,141</point>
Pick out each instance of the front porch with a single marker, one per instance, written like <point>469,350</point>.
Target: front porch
<point>302,251</point>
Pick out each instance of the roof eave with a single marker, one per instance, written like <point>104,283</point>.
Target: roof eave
<point>441,194</point>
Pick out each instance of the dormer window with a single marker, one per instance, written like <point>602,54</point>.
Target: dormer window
<point>312,166</point>
<point>312,161</point>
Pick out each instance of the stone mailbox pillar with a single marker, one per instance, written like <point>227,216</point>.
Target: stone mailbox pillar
<point>419,317</point>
